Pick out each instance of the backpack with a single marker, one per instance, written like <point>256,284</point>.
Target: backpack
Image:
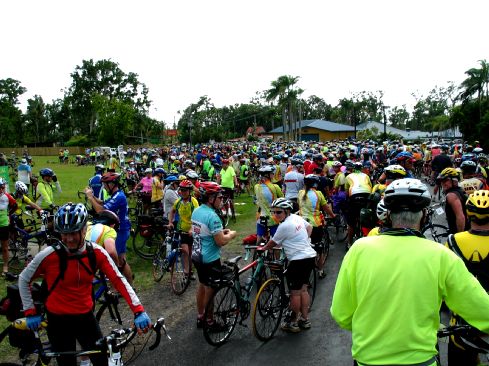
<point>63,265</point>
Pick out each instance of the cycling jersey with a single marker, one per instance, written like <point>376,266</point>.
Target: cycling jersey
<point>293,182</point>
<point>277,175</point>
<point>117,203</point>
<point>310,204</point>
<point>265,194</point>
<point>22,202</point>
<point>73,293</point>
<point>95,183</point>
<point>375,231</point>
<point>184,211</point>
<point>147,183</point>
<point>425,270</point>
<point>357,183</point>
<point>244,172</point>
<point>99,233</point>
<point>470,185</point>
<point>291,234</point>
<point>339,180</point>
<point>205,224</point>
<point>227,177</point>
<point>6,202</point>
<point>45,194</point>
<point>156,190</point>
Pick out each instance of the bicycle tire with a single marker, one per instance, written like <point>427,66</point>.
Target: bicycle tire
<point>223,309</point>
<point>341,228</point>
<point>311,287</point>
<point>18,254</point>
<point>146,247</point>
<point>436,232</point>
<point>178,279</point>
<point>159,261</point>
<point>225,214</point>
<point>267,310</point>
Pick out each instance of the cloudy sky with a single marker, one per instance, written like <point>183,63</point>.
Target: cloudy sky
<point>229,49</point>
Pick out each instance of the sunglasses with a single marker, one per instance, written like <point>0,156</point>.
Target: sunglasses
<point>277,212</point>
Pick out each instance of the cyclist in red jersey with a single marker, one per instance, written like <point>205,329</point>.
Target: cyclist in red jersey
<point>69,301</point>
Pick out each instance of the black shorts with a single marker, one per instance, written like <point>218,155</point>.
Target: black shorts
<point>355,204</point>
<point>317,234</point>
<point>298,272</point>
<point>185,238</point>
<point>4,232</point>
<point>228,192</point>
<point>208,272</point>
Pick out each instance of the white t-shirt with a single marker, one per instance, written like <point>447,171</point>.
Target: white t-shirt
<point>292,236</point>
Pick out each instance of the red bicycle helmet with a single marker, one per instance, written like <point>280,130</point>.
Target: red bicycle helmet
<point>209,188</point>
<point>186,184</point>
<point>111,178</point>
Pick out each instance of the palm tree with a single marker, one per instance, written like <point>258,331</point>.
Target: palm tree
<point>284,92</point>
<point>476,82</point>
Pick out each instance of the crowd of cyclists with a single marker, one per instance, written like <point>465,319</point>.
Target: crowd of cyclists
<point>375,190</point>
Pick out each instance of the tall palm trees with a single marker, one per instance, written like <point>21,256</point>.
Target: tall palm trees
<point>476,82</point>
<point>285,92</point>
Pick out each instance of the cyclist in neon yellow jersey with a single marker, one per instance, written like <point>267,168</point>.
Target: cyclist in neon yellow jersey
<point>367,300</point>
<point>312,205</point>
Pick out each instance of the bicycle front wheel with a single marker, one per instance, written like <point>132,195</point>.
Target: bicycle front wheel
<point>179,280</point>
<point>267,310</point>
<point>437,232</point>
<point>160,264</point>
<point>221,315</point>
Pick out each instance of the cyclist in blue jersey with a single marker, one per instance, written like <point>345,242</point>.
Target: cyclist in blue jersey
<point>117,203</point>
<point>95,183</point>
<point>208,238</point>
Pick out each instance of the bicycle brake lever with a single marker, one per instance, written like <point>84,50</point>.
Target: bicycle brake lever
<point>160,323</point>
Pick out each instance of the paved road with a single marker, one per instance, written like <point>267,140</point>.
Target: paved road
<point>325,343</point>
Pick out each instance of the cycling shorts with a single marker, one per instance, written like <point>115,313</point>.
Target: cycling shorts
<point>208,272</point>
<point>355,204</point>
<point>4,233</point>
<point>317,234</point>
<point>185,238</point>
<point>298,272</point>
<point>121,240</point>
<point>228,192</point>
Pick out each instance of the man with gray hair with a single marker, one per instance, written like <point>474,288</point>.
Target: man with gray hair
<point>390,287</point>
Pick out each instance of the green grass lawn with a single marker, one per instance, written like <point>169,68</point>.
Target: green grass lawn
<point>73,178</point>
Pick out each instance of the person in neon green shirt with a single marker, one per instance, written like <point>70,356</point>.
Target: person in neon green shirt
<point>390,287</point>
<point>226,178</point>
<point>45,189</point>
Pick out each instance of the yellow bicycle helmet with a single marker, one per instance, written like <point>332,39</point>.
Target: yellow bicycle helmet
<point>449,173</point>
<point>477,205</point>
<point>395,171</point>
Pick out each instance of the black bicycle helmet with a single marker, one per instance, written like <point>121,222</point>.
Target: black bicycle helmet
<point>108,218</point>
<point>311,180</point>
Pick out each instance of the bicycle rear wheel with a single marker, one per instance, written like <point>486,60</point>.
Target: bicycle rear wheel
<point>146,247</point>
<point>221,315</point>
<point>267,310</point>
<point>311,287</point>
<point>341,228</point>
<point>179,280</point>
<point>225,214</point>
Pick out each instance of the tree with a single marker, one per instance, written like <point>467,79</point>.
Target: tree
<point>285,92</point>
<point>11,119</point>
<point>103,78</point>
<point>37,127</point>
<point>476,83</point>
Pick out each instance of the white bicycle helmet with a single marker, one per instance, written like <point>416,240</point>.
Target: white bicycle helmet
<point>282,203</point>
<point>407,194</point>
<point>381,211</point>
<point>337,163</point>
<point>21,188</point>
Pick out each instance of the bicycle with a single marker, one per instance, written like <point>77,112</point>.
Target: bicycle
<point>113,345</point>
<point>322,247</point>
<point>437,232</point>
<point>473,338</point>
<point>273,300</point>
<point>231,299</point>
<point>225,211</point>
<point>170,258</point>
<point>148,235</point>
<point>24,245</point>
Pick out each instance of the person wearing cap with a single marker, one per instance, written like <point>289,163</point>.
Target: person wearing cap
<point>24,173</point>
<point>171,194</point>
<point>367,299</point>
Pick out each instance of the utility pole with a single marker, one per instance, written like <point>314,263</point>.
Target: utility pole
<point>300,121</point>
<point>384,107</point>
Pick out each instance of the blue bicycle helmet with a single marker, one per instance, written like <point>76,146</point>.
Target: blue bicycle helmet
<point>46,172</point>
<point>70,218</point>
<point>171,178</point>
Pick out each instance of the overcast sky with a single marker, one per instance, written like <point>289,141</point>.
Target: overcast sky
<point>229,49</point>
